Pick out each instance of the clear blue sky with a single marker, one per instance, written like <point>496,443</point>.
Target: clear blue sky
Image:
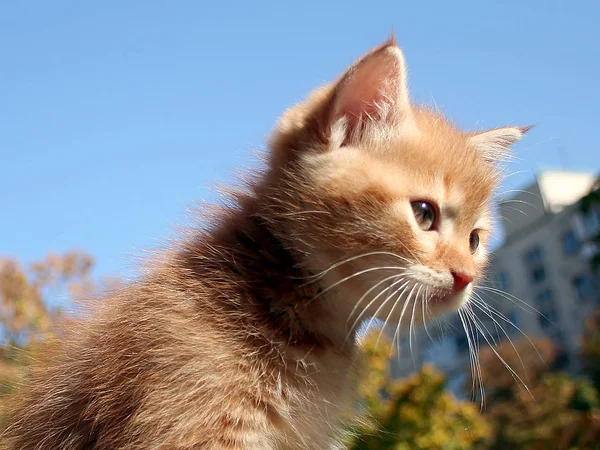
<point>116,115</point>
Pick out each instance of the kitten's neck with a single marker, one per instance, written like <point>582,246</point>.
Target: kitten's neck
<point>279,295</point>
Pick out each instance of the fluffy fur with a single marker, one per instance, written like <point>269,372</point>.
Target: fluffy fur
<point>240,336</point>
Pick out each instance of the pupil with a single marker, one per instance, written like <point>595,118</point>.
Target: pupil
<point>474,241</point>
<point>424,214</point>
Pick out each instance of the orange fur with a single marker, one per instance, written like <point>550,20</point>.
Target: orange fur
<point>237,337</point>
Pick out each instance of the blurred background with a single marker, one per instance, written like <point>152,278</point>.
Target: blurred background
<point>115,117</point>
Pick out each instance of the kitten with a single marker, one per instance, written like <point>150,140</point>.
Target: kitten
<point>240,337</point>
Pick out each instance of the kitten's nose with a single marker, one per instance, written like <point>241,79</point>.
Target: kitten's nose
<point>461,280</point>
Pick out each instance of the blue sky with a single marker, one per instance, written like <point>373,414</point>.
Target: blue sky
<point>116,116</point>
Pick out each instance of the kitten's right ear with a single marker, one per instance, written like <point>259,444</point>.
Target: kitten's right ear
<point>374,89</point>
<point>494,145</point>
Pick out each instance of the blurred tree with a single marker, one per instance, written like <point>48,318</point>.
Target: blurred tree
<point>25,318</point>
<point>591,348</point>
<point>555,410</point>
<point>414,413</point>
<point>528,360</point>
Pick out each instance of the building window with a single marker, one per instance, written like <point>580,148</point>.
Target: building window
<point>589,250</point>
<point>583,286</point>
<point>534,256</point>
<point>588,223</point>
<point>514,318</point>
<point>462,343</point>
<point>545,301</point>
<point>548,317</point>
<point>538,274</point>
<point>591,221</point>
<point>570,243</point>
<point>557,335</point>
<point>501,280</point>
<point>534,260</point>
<point>549,321</point>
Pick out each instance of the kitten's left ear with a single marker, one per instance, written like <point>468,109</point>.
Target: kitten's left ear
<point>495,144</point>
<point>374,89</point>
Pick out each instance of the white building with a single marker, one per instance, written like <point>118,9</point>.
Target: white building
<point>544,259</point>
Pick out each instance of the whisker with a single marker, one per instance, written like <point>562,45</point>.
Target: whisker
<point>502,317</point>
<point>411,326</point>
<point>391,312</point>
<point>477,360</point>
<point>517,172</point>
<point>406,303</point>
<point>299,213</point>
<point>514,374</point>
<point>380,307</point>
<point>519,211</point>
<point>471,355</point>
<point>361,272</point>
<point>516,300</point>
<point>371,289</point>
<point>515,200</point>
<point>481,307</point>
<point>423,303</point>
<point>397,328</point>
<point>519,191</point>
<point>503,217</point>
<point>373,301</point>
<point>354,258</point>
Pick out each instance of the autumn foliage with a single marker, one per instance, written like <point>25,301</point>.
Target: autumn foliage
<point>537,407</point>
<point>413,413</point>
<point>26,318</point>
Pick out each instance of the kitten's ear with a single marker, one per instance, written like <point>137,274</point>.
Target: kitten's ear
<point>495,144</point>
<point>373,89</point>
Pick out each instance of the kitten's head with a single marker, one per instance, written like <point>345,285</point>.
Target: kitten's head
<point>389,202</point>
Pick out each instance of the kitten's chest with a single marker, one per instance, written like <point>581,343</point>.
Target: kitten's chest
<point>319,404</point>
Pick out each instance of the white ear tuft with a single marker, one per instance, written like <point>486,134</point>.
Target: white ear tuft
<point>495,144</point>
<point>373,89</point>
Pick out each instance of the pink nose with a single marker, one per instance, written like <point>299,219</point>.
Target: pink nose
<point>461,280</point>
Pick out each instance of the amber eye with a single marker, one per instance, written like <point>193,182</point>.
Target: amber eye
<point>424,214</point>
<point>474,241</point>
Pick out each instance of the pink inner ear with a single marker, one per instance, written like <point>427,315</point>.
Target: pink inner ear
<point>374,81</point>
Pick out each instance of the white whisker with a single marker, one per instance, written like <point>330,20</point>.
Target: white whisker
<point>373,301</point>
<point>299,213</point>
<point>361,272</point>
<point>471,354</point>
<point>423,304</point>
<point>371,289</point>
<point>502,317</point>
<point>411,325</point>
<point>354,258</point>
<point>481,307</point>
<point>391,310</point>
<point>517,301</point>
<point>397,327</point>
<point>406,303</point>
<point>477,360</point>
<point>514,374</point>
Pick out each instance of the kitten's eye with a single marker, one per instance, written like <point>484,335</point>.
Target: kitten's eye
<point>474,241</point>
<point>424,214</point>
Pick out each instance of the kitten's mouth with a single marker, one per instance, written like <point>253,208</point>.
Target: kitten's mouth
<point>439,300</point>
<point>445,300</point>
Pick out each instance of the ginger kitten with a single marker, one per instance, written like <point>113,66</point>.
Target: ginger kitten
<point>240,337</point>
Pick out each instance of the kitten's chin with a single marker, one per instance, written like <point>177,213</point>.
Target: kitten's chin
<point>440,304</point>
